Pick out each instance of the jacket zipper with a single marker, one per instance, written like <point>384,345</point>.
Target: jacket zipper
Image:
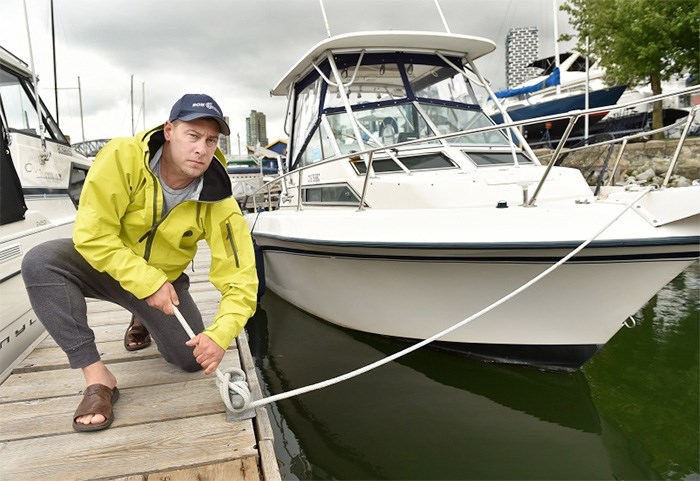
<point>152,231</point>
<point>233,243</point>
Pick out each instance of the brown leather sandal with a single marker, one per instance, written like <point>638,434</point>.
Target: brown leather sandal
<point>136,336</point>
<point>97,399</point>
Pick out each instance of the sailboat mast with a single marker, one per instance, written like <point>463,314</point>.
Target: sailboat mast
<point>80,98</point>
<point>556,39</point>
<point>133,131</point>
<point>53,48</point>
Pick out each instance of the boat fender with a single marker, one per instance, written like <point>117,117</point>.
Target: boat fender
<point>260,268</point>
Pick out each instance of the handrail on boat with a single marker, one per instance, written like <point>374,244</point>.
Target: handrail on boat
<point>572,116</point>
<point>686,122</point>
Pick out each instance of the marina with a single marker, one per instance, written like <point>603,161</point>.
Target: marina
<point>438,300</point>
<point>169,424</point>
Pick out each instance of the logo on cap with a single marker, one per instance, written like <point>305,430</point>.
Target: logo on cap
<point>208,105</point>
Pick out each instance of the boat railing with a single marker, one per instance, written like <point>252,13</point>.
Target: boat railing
<point>286,179</point>
<point>683,124</point>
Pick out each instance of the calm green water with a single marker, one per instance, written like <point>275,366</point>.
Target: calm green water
<point>633,412</point>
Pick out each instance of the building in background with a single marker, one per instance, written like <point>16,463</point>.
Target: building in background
<point>256,129</point>
<point>225,142</point>
<point>522,48</point>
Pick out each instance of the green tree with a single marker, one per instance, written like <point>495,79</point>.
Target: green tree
<point>640,41</point>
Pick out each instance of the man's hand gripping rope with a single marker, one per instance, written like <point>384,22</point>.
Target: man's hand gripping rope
<point>230,382</point>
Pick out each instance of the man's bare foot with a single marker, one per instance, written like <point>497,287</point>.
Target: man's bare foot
<point>96,373</point>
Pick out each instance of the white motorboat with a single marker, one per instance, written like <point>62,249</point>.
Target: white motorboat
<point>42,177</point>
<point>405,210</point>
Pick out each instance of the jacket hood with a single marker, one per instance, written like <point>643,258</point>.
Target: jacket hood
<point>217,184</point>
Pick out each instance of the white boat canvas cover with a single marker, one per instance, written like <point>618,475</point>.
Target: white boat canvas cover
<point>385,40</point>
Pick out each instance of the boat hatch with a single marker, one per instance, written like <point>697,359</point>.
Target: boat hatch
<point>351,102</point>
<point>428,161</point>
<point>482,159</point>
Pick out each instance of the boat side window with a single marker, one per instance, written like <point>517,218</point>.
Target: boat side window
<point>483,159</point>
<point>340,194</point>
<point>318,148</point>
<point>20,111</point>
<point>20,108</point>
<point>77,180</point>
<point>305,113</point>
<point>450,119</point>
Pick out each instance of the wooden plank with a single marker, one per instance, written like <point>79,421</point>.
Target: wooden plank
<point>110,352</point>
<point>140,405</point>
<point>66,382</point>
<point>245,469</point>
<point>125,451</point>
<point>263,428</point>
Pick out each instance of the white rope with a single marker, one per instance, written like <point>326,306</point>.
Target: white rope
<point>232,380</point>
<point>240,387</point>
<point>381,362</point>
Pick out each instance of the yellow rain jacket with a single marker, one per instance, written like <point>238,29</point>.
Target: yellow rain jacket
<point>120,230</point>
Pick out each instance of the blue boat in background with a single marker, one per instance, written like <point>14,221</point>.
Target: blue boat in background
<point>560,89</point>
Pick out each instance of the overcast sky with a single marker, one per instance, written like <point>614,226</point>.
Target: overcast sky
<point>234,50</point>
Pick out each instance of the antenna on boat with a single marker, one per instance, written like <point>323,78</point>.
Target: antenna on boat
<point>44,153</point>
<point>444,22</point>
<point>325,18</point>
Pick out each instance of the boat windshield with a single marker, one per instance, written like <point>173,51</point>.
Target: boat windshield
<point>394,98</point>
<point>20,108</point>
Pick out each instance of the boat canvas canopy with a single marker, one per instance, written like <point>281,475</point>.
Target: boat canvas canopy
<point>392,41</point>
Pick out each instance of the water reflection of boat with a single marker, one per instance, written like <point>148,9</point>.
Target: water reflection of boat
<point>430,415</point>
<point>41,177</point>
<point>406,240</point>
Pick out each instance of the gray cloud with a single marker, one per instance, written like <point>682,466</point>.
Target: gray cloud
<point>234,50</point>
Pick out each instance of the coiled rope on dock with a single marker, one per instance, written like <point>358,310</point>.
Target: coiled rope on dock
<point>240,386</point>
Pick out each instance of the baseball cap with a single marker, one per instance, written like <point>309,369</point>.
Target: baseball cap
<point>199,106</point>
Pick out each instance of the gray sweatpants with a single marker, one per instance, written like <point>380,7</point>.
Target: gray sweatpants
<point>58,279</point>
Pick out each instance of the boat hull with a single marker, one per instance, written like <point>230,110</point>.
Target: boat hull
<point>550,131</point>
<point>415,291</point>
<point>417,297</point>
<point>20,329</point>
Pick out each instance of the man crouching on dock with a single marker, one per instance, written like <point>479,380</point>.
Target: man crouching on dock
<point>146,202</point>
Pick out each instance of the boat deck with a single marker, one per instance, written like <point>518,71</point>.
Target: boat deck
<point>169,424</point>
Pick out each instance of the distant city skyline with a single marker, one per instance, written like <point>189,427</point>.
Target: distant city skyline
<point>256,129</point>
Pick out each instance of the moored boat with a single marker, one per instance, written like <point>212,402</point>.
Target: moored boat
<point>559,89</point>
<point>42,177</point>
<point>405,210</point>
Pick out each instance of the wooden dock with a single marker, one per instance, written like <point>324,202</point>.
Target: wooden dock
<point>169,424</point>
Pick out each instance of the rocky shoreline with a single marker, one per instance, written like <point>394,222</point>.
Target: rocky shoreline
<point>645,163</point>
